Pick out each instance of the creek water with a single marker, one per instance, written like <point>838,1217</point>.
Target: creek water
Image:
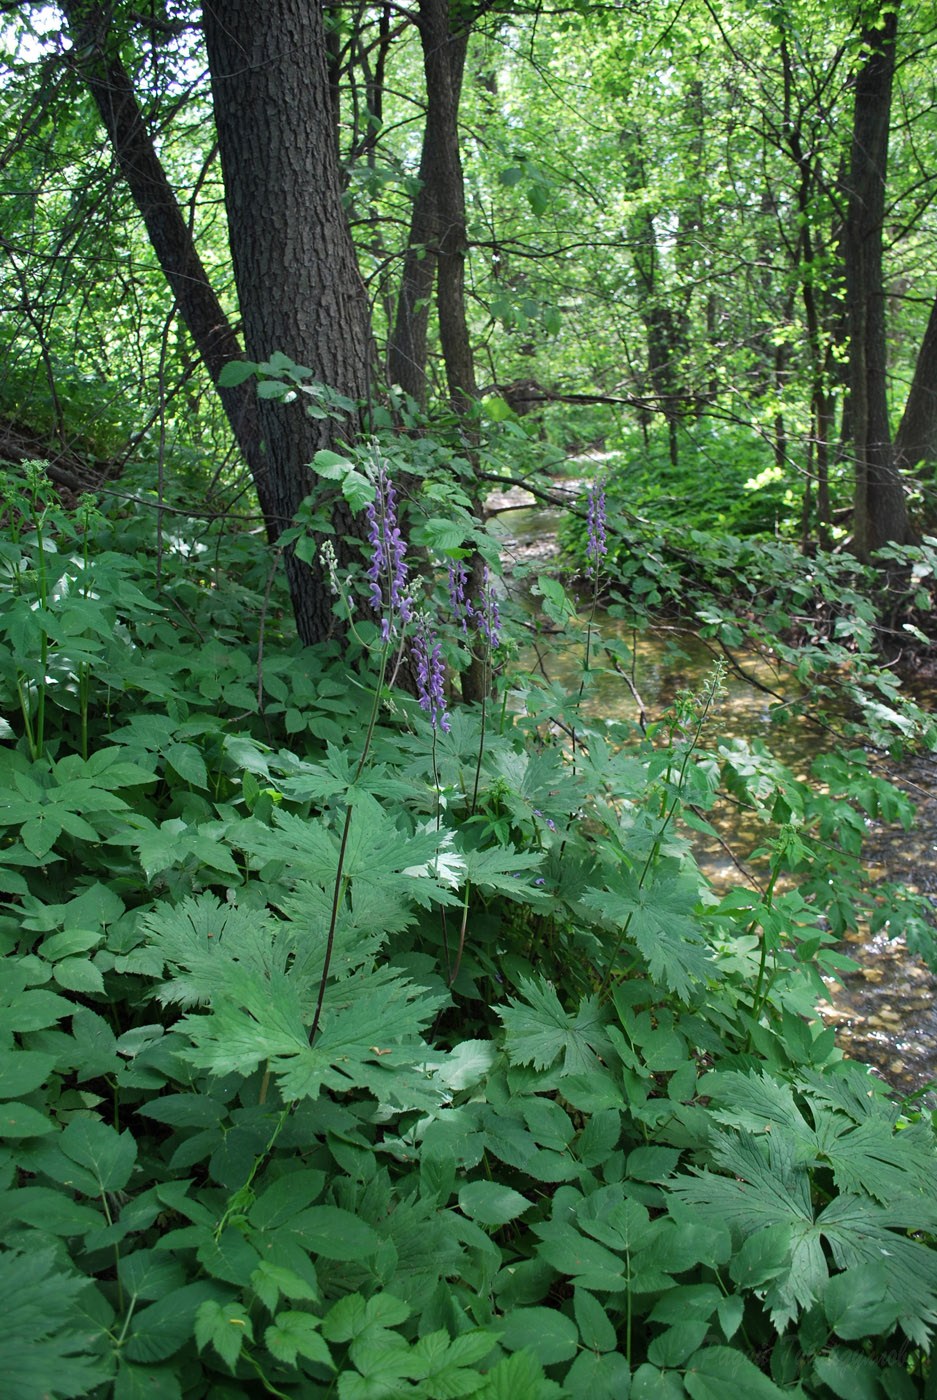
<point>886,1011</point>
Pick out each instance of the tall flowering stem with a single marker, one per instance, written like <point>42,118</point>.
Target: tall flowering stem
<point>596,522</point>
<point>388,568</point>
<point>596,550</point>
<point>427,654</point>
<point>458,602</point>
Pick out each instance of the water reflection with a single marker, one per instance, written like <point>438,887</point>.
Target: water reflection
<point>886,1012</point>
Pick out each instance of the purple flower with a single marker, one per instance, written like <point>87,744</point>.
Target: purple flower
<point>597,547</point>
<point>461,607</point>
<point>429,677</point>
<point>388,567</point>
<point>485,612</point>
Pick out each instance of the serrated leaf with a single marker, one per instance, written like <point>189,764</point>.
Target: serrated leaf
<point>105,1154</point>
<point>158,1331</point>
<point>595,1329</point>
<point>538,1030</point>
<point>491,1203</point>
<point>225,1326</point>
<point>335,1233</point>
<point>716,1372</point>
<point>186,760</point>
<point>518,1377</point>
<point>78,975</point>
<point>598,1377</point>
<point>45,1341</point>
<point>295,1334</point>
<point>654,916</point>
<point>22,1071</point>
<point>236,372</point>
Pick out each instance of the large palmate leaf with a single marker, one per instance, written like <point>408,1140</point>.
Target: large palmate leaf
<point>857,1139</point>
<point>380,855</point>
<point>657,916</point>
<point>539,1030</point>
<point>43,1345</point>
<point>260,1000</point>
<point>767,1192</point>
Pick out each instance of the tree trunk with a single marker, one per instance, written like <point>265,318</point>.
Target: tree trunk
<point>98,64</point>
<point>880,513</point>
<point>294,263</point>
<point>916,440</point>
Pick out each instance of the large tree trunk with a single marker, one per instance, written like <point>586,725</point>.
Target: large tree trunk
<point>297,280</point>
<point>96,59</point>
<point>298,283</point>
<point>880,514</point>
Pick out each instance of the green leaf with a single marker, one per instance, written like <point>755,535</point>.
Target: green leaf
<point>236,372</point>
<point>295,1334</point>
<point>591,1265</point>
<point>19,1120</point>
<point>539,1031</point>
<point>595,1329</point>
<point>148,1273</point>
<point>654,915</point>
<point>186,760</point>
<point>45,1340</point>
<point>22,1071</point>
<point>594,1377</point>
<point>146,1383</point>
<point>491,1203</point>
<point>648,1383</point>
<point>518,1377</point>
<point>672,1347</point>
<point>107,1156</point>
<point>158,1331</point>
<point>78,975</point>
<point>857,1303</point>
<point>225,1326</point>
<point>849,1374</point>
<point>335,1233</point>
<point>717,1372</point>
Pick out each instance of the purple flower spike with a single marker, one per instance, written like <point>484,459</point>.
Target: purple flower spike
<point>461,607</point>
<point>388,565</point>
<point>597,547</point>
<point>429,678</point>
<point>486,614</point>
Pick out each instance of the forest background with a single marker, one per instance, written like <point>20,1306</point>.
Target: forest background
<point>366,1026</point>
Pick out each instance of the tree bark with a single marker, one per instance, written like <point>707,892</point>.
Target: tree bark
<point>102,72</point>
<point>294,262</point>
<point>880,513</point>
<point>298,283</point>
<point>916,440</point>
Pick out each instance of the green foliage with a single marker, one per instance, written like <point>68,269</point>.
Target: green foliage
<point>420,1063</point>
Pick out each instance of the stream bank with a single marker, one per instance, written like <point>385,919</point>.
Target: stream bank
<point>885,1012</point>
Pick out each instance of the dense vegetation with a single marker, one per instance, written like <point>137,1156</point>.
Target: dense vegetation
<point>367,1028</point>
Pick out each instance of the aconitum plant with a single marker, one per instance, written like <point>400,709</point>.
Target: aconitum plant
<point>388,567</point>
<point>596,521</point>
<point>427,654</point>
<point>486,614</point>
<point>460,605</point>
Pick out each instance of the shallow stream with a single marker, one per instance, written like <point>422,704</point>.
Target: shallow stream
<point>886,1012</point>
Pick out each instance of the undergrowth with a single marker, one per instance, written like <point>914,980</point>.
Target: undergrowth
<point>352,1046</point>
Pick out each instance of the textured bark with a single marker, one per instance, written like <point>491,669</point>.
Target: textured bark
<point>297,279</point>
<point>294,263</point>
<point>916,440</point>
<point>103,74</point>
<point>880,513</point>
<point>443,62</point>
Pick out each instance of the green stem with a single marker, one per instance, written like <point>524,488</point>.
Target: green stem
<point>338,890</point>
